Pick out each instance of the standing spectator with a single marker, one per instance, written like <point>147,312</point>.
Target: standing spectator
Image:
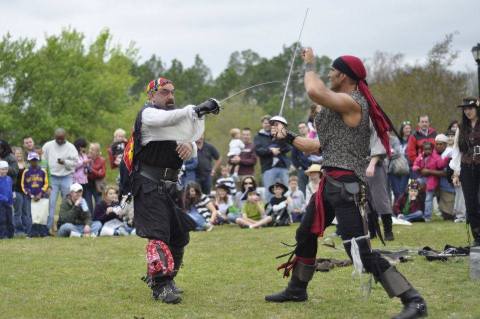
<point>6,155</point>
<point>398,183</point>
<point>83,163</point>
<point>28,145</point>
<point>314,110</point>
<point>227,179</point>
<point>273,159</point>
<point>404,134</point>
<point>300,161</point>
<point>206,153</point>
<point>22,219</point>
<point>188,171</point>
<point>34,185</point>
<point>74,218</point>
<point>115,151</point>
<point>466,162</point>
<point>61,157</point>
<point>6,201</point>
<point>96,176</point>
<point>235,147</point>
<point>43,162</point>
<point>426,164</point>
<point>446,194</point>
<point>423,133</point>
<point>297,199</point>
<point>453,126</point>
<point>247,159</point>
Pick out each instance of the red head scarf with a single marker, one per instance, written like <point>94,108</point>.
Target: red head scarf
<point>154,85</point>
<point>354,68</point>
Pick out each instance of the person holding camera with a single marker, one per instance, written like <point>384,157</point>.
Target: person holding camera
<point>62,157</point>
<point>109,212</point>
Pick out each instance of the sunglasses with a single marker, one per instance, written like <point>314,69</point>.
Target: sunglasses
<point>247,183</point>
<point>406,123</point>
<point>165,92</point>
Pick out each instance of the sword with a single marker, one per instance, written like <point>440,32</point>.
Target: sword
<point>291,63</point>
<point>246,89</point>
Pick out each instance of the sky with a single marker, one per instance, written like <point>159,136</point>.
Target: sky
<point>214,29</point>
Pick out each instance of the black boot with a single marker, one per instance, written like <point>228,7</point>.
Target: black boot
<point>476,236</point>
<point>387,227</point>
<point>297,287</point>
<point>396,285</point>
<point>177,254</point>
<point>161,290</point>
<point>371,225</point>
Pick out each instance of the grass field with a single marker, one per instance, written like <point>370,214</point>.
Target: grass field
<point>226,274</point>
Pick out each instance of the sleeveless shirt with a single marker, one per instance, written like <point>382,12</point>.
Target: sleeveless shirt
<point>342,146</point>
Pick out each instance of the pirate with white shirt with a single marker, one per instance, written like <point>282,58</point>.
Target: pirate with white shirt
<point>163,138</point>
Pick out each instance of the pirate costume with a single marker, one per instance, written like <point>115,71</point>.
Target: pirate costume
<point>341,194</point>
<point>154,163</point>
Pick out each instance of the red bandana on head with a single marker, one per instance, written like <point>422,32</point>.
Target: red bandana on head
<point>154,85</point>
<point>354,68</point>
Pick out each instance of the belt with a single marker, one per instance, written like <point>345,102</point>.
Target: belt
<point>158,174</point>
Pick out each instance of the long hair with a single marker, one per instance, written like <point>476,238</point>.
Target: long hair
<point>465,129</point>
<point>5,149</point>
<point>80,143</point>
<point>242,186</point>
<point>188,201</point>
<point>400,131</point>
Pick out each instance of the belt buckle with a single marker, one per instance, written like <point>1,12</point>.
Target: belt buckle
<point>476,150</point>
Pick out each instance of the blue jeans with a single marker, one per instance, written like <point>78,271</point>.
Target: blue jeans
<point>6,223</point>
<point>67,228</point>
<point>205,182</point>
<point>271,176</point>
<point>199,220</point>
<point>398,184</point>
<point>58,184</point>
<point>429,205</point>
<point>302,180</point>
<point>414,217</point>
<point>22,215</point>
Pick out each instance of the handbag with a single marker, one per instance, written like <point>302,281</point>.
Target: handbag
<point>100,185</point>
<point>399,166</point>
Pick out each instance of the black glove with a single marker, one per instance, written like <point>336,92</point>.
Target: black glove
<point>209,106</point>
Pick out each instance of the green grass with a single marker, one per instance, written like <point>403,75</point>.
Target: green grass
<point>226,274</point>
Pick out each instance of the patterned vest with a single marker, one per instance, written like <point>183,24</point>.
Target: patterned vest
<point>343,146</point>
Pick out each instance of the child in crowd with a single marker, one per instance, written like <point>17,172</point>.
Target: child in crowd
<point>314,173</point>
<point>6,202</point>
<point>246,183</point>
<point>252,210</point>
<point>200,208</point>
<point>297,199</point>
<point>235,147</point>
<point>227,180</point>
<point>34,185</point>
<point>425,164</point>
<point>411,204</point>
<point>109,212</point>
<point>115,152</point>
<point>276,210</point>
<point>223,201</point>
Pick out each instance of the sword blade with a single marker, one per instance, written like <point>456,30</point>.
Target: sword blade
<point>248,88</point>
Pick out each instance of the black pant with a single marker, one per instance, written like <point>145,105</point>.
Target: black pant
<point>157,214</point>
<point>350,225</point>
<point>470,179</point>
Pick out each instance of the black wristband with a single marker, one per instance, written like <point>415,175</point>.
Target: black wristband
<point>290,137</point>
<point>310,67</point>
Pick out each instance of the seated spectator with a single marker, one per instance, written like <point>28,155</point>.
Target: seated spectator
<point>74,218</point>
<point>276,211</point>
<point>34,185</point>
<point>115,151</point>
<point>253,209</point>
<point>188,171</point>
<point>6,202</point>
<point>110,214</point>
<point>246,183</point>
<point>226,179</point>
<point>297,199</point>
<point>427,163</point>
<point>235,147</point>
<point>314,173</point>
<point>411,204</point>
<point>199,207</point>
<point>224,203</point>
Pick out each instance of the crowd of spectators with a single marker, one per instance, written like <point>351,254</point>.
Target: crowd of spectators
<point>33,177</point>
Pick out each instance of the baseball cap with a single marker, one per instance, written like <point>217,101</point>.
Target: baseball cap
<point>76,187</point>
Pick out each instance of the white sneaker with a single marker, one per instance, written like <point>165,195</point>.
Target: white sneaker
<point>459,220</point>
<point>75,234</point>
<point>208,227</point>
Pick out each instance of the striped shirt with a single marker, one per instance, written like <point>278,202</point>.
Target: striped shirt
<point>229,182</point>
<point>202,208</point>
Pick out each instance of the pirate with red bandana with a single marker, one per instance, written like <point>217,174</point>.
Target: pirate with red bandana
<point>163,138</point>
<point>343,128</point>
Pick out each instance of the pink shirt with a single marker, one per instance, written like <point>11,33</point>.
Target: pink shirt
<point>433,162</point>
<point>80,176</point>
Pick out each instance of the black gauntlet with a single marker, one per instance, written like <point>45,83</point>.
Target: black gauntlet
<point>210,106</point>
<point>290,137</point>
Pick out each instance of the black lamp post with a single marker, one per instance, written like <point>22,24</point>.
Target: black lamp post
<point>476,56</point>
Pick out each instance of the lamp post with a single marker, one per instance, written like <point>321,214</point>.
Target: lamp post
<point>476,56</point>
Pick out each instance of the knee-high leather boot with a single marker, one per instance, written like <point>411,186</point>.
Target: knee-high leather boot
<point>177,253</point>
<point>387,227</point>
<point>396,285</point>
<point>297,287</point>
